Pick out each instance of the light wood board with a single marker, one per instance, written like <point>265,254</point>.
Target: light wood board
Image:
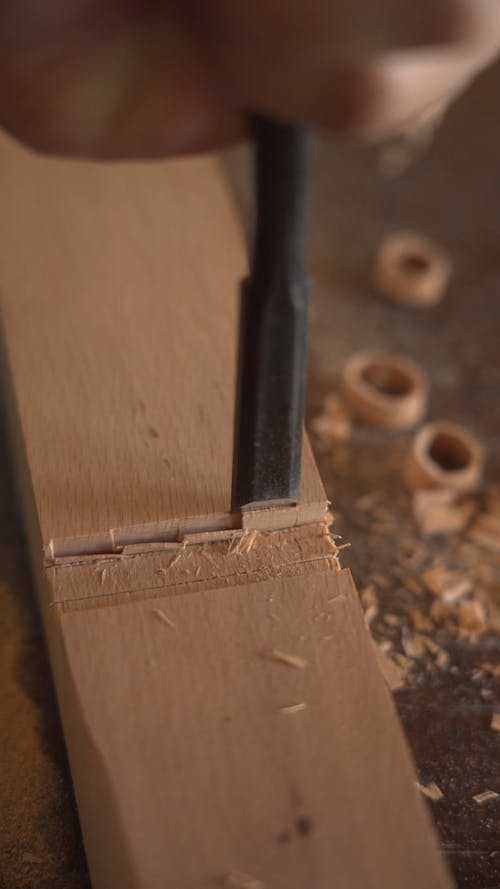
<point>187,767</point>
<point>119,291</point>
<point>188,763</point>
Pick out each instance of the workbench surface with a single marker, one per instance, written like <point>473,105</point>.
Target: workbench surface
<point>453,195</point>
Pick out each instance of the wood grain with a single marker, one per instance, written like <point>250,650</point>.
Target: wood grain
<point>119,292</point>
<point>189,766</point>
<point>195,751</point>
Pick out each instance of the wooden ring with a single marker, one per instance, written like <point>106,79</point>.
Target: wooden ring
<point>412,270</point>
<point>385,390</point>
<point>444,455</point>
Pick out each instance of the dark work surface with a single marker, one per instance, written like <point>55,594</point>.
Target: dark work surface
<point>452,194</point>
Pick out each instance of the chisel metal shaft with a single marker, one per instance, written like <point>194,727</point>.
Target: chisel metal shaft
<point>273,324</point>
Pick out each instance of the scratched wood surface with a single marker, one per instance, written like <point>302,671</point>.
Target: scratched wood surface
<point>119,299</point>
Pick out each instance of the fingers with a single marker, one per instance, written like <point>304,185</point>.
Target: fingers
<point>337,65</point>
<point>137,89</point>
<point>143,78</point>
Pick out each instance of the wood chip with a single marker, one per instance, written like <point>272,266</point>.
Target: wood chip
<point>485,797</point>
<point>328,430</point>
<point>370,614</point>
<point>420,621</point>
<point>486,532</point>
<point>369,601</point>
<point>175,559</point>
<point>160,615</point>
<point>450,586</point>
<point>368,501</point>
<point>494,501</point>
<point>471,616</point>
<point>436,513</point>
<point>294,708</point>
<point>413,645</point>
<point>411,585</point>
<point>431,646</point>
<point>381,581</point>
<point>368,597</point>
<point>241,881</point>
<point>495,722</point>
<point>432,791</point>
<point>248,541</point>
<point>403,661</point>
<point>393,674</point>
<point>440,613</point>
<point>291,660</point>
<point>392,620</point>
<point>442,659</point>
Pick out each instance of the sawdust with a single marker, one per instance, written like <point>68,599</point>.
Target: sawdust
<point>40,837</point>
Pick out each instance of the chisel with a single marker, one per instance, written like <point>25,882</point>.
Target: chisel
<point>272,351</point>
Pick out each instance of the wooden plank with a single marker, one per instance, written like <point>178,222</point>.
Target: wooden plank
<point>191,760</point>
<point>119,296</point>
<point>195,751</point>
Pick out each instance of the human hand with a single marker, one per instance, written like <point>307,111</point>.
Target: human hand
<point>145,78</point>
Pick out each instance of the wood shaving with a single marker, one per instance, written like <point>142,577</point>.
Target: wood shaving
<point>471,617</point>
<point>420,621</point>
<point>432,791</point>
<point>392,620</point>
<point>368,597</point>
<point>443,659</point>
<point>241,881</point>
<point>440,613</point>
<point>368,501</point>
<point>450,586</point>
<point>403,661</point>
<point>435,512</point>
<point>235,543</point>
<point>175,559</point>
<point>495,722</point>
<point>411,585</point>
<point>391,671</point>
<point>381,581</point>
<point>103,575</point>
<point>485,797</point>
<point>160,615</point>
<point>413,645</point>
<point>383,528</point>
<point>494,500</point>
<point>294,708</point>
<point>291,660</point>
<point>330,429</point>
<point>486,532</point>
<point>370,614</point>
<point>252,537</point>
